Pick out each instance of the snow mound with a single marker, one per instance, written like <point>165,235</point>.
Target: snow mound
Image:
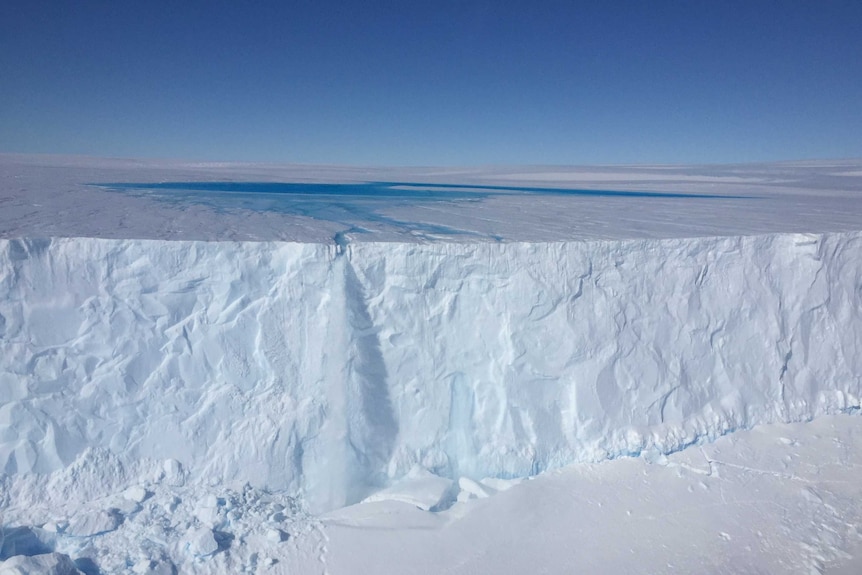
<point>330,372</point>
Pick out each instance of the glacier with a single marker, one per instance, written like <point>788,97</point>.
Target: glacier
<point>333,371</point>
<point>508,375</point>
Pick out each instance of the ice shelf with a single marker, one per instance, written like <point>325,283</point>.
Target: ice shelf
<point>332,371</point>
<point>202,366</point>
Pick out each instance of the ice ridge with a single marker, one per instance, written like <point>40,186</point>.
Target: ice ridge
<point>331,371</point>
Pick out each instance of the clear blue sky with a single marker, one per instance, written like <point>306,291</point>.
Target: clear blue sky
<point>443,83</point>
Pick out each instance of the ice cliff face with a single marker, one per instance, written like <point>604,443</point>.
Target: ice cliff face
<point>330,371</point>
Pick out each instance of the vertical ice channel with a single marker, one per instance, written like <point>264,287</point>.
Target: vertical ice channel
<point>350,456</point>
<point>372,425</point>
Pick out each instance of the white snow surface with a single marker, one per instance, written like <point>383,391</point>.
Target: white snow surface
<point>196,405</point>
<point>329,373</point>
<point>48,196</point>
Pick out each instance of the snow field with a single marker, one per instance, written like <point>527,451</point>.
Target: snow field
<point>780,498</point>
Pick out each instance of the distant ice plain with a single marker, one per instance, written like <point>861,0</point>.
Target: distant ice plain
<point>48,197</point>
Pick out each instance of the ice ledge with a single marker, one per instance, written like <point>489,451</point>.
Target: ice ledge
<point>291,367</point>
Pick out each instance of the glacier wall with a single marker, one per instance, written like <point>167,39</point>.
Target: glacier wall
<point>333,370</point>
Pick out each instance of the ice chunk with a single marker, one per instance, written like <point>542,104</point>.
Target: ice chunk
<point>174,474</point>
<point>153,567</point>
<point>202,542</point>
<point>420,488</point>
<point>56,526</point>
<point>276,535</point>
<point>90,523</point>
<point>136,493</point>
<point>44,564</point>
<point>22,541</point>
<point>207,510</point>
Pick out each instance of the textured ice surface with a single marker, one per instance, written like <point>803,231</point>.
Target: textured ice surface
<point>334,371</point>
<point>176,405</point>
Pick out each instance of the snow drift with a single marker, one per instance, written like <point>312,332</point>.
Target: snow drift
<point>332,371</point>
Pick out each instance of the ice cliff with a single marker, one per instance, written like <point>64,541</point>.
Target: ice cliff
<point>331,371</point>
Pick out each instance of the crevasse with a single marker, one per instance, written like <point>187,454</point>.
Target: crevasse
<point>332,371</point>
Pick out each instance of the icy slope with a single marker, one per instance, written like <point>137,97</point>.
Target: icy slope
<point>333,371</point>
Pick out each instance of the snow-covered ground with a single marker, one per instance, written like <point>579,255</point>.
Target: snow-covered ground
<point>207,368</point>
<point>48,197</point>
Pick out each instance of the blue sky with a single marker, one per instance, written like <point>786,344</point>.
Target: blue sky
<point>439,83</point>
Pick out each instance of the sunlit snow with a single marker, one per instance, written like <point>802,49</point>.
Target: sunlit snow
<point>256,368</point>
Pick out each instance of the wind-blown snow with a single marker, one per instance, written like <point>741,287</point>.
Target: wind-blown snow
<point>334,371</point>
